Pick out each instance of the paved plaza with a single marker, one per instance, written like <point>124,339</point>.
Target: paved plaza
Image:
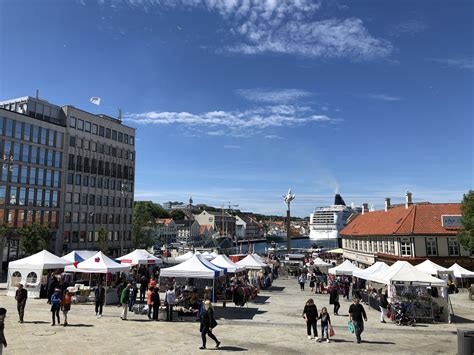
<point>273,324</point>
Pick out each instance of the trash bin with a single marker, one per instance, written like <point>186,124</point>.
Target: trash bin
<point>465,341</point>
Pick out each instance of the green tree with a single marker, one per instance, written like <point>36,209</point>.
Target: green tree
<point>466,235</point>
<point>4,231</point>
<point>144,213</point>
<point>177,215</point>
<point>103,240</point>
<point>34,238</point>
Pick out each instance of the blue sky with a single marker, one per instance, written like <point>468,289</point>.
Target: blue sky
<point>238,100</point>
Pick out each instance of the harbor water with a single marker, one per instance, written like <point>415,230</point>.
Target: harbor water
<point>262,247</point>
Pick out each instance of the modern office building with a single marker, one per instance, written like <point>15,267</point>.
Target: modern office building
<point>68,169</point>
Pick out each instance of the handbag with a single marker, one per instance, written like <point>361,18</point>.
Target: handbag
<point>350,326</point>
<point>213,323</point>
<point>331,331</point>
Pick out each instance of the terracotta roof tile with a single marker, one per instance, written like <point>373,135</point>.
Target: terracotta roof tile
<point>417,219</point>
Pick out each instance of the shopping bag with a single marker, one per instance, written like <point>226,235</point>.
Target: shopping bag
<point>350,326</point>
<point>331,331</point>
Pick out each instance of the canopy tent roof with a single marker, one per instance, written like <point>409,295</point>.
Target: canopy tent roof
<point>432,268</point>
<point>251,262</point>
<point>215,255</point>
<point>320,262</point>
<point>226,263</point>
<point>346,268</point>
<point>99,263</point>
<point>184,257</point>
<point>78,255</point>
<point>460,272</point>
<point>259,258</point>
<point>207,255</point>
<point>374,268</point>
<point>403,271</point>
<point>195,267</point>
<point>336,251</point>
<point>140,257</point>
<point>43,260</point>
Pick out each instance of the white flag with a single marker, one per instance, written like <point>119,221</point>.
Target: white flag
<point>95,100</point>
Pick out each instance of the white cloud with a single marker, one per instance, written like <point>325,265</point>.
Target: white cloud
<point>235,123</point>
<point>384,97</point>
<point>275,96</point>
<point>461,63</point>
<point>283,26</point>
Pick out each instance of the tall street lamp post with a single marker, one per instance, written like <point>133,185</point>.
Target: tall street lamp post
<point>288,198</point>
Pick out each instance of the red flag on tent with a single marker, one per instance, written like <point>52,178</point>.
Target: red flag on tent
<point>75,263</point>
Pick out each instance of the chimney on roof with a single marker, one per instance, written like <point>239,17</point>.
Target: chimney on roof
<point>365,208</point>
<point>387,204</point>
<point>408,200</point>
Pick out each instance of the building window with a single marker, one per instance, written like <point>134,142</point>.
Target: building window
<point>70,178</point>
<point>72,141</point>
<point>431,248</point>
<point>72,122</point>
<point>94,129</point>
<point>87,126</point>
<point>453,247</point>
<point>80,124</point>
<point>405,246</point>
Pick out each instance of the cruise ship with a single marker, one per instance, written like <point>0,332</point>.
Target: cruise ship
<point>326,222</point>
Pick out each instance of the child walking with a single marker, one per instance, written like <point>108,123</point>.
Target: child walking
<point>66,305</point>
<point>325,323</point>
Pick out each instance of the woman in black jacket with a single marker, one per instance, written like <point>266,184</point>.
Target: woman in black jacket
<point>310,314</point>
<point>155,303</point>
<point>207,323</point>
<point>334,299</point>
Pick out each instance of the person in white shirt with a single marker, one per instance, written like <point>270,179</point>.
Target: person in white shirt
<point>170,299</point>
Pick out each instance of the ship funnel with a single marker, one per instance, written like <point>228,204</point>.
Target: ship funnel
<point>338,201</point>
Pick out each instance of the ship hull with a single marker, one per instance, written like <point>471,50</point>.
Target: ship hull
<point>323,235</point>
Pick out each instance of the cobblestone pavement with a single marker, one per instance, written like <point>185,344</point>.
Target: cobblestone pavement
<point>271,325</point>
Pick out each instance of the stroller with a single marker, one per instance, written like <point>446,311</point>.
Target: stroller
<point>404,314</point>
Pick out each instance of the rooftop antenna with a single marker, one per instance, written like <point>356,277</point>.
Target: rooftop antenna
<point>120,115</point>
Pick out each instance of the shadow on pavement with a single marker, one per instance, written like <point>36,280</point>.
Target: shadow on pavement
<point>237,313</point>
<point>458,319</point>
<point>340,341</point>
<point>275,289</point>
<point>231,348</point>
<point>261,299</point>
<point>378,342</point>
<point>79,325</point>
<point>35,322</point>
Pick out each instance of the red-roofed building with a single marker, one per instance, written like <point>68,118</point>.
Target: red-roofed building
<point>412,232</point>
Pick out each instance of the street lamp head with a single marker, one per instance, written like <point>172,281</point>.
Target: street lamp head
<point>289,197</point>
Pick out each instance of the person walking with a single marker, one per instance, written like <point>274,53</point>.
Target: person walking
<point>357,316</point>
<point>149,302</point>
<point>312,281</point>
<point>310,314</point>
<point>3,340</point>
<point>325,324</point>
<point>124,299</point>
<point>207,324</point>
<point>302,280</point>
<point>21,295</point>
<point>99,293</point>
<point>143,289</point>
<point>170,299</point>
<point>334,299</point>
<point>66,305</point>
<point>53,284</point>
<point>156,303</point>
<point>55,307</point>
<point>383,305</point>
<point>133,296</point>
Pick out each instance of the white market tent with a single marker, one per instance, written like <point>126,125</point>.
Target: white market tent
<point>403,271</point>
<point>224,262</point>
<point>250,262</point>
<point>98,263</point>
<point>28,271</point>
<point>374,268</point>
<point>184,257</point>
<point>195,267</point>
<point>259,258</point>
<point>320,262</point>
<point>78,255</point>
<point>432,268</point>
<point>139,257</point>
<point>346,268</point>
<point>214,254</point>
<point>460,272</point>
<point>207,255</point>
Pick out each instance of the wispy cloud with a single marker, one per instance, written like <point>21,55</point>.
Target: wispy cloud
<point>274,96</point>
<point>384,97</point>
<point>230,146</point>
<point>407,27</point>
<point>282,26</point>
<point>273,136</point>
<point>461,63</point>
<point>235,123</point>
